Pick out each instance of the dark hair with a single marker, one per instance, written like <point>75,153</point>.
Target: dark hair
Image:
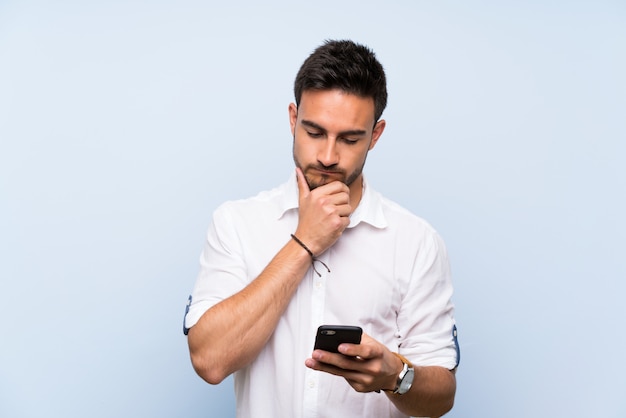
<point>347,66</point>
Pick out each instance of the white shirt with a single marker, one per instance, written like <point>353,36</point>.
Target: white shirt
<point>389,274</point>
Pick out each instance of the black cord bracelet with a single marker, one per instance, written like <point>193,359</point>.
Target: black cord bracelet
<point>313,258</point>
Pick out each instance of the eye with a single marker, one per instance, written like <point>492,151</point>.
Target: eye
<point>314,134</point>
<point>350,141</point>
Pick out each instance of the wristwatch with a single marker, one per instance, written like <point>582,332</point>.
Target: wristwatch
<point>405,378</point>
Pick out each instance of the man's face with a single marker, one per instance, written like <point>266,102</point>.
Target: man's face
<point>333,132</point>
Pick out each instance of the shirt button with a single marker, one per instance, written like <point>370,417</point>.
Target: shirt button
<point>311,384</point>
<point>318,285</point>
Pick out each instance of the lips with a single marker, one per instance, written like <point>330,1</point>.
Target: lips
<point>327,172</point>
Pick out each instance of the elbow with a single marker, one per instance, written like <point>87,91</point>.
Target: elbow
<point>209,372</point>
<point>448,403</point>
<point>446,407</point>
<point>434,410</point>
<point>442,401</point>
<point>205,361</point>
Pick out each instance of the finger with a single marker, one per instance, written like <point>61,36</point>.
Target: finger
<point>334,364</point>
<point>351,350</point>
<point>344,211</point>
<point>303,186</point>
<point>337,360</point>
<point>359,381</point>
<point>334,187</point>
<point>335,199</point>
<point>325,367</point>
<point>367,349</point>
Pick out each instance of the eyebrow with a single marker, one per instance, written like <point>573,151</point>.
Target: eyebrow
<point>350,132</point>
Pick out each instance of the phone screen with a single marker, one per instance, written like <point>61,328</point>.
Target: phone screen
<point>329,337</point>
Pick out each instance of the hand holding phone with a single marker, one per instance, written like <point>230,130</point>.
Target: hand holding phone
<point>329,337</point>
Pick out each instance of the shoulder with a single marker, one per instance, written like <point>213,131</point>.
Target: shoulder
<point>402,216</point>
<point>408,226</point>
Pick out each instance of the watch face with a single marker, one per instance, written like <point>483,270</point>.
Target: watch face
<point>407,382</point>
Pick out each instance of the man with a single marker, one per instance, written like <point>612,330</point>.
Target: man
<point>324,248</point>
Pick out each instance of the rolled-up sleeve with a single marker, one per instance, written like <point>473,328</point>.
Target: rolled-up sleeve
<point>426,323</point>
<point>222,269</point>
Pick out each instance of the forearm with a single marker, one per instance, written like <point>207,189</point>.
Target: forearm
<point>431,395</point>
<point>232,333</point>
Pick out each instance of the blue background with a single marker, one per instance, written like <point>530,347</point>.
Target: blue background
<point>123,124</point>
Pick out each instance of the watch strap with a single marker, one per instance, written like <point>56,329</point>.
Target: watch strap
<point>406,365</point>
<point>403,359</point>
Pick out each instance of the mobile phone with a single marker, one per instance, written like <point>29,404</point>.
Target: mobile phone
<point>329,337</point>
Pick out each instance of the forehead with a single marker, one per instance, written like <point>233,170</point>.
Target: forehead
<point>336,108</point>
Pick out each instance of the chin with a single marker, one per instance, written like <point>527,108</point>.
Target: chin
<point>321,181</point>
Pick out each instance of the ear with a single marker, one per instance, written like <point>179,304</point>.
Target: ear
<point>377,132</point>
<point>293,117</point>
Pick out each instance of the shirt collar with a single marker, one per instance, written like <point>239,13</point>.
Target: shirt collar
<point>369,210</point>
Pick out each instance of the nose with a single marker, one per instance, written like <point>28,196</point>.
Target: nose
<point>328,155</point>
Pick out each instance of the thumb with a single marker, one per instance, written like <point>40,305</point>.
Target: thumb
<point>303,186</point>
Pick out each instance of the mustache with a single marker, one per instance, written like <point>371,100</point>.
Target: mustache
<point>330,168</point>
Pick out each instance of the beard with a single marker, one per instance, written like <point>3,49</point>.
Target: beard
<point>340,174</point>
